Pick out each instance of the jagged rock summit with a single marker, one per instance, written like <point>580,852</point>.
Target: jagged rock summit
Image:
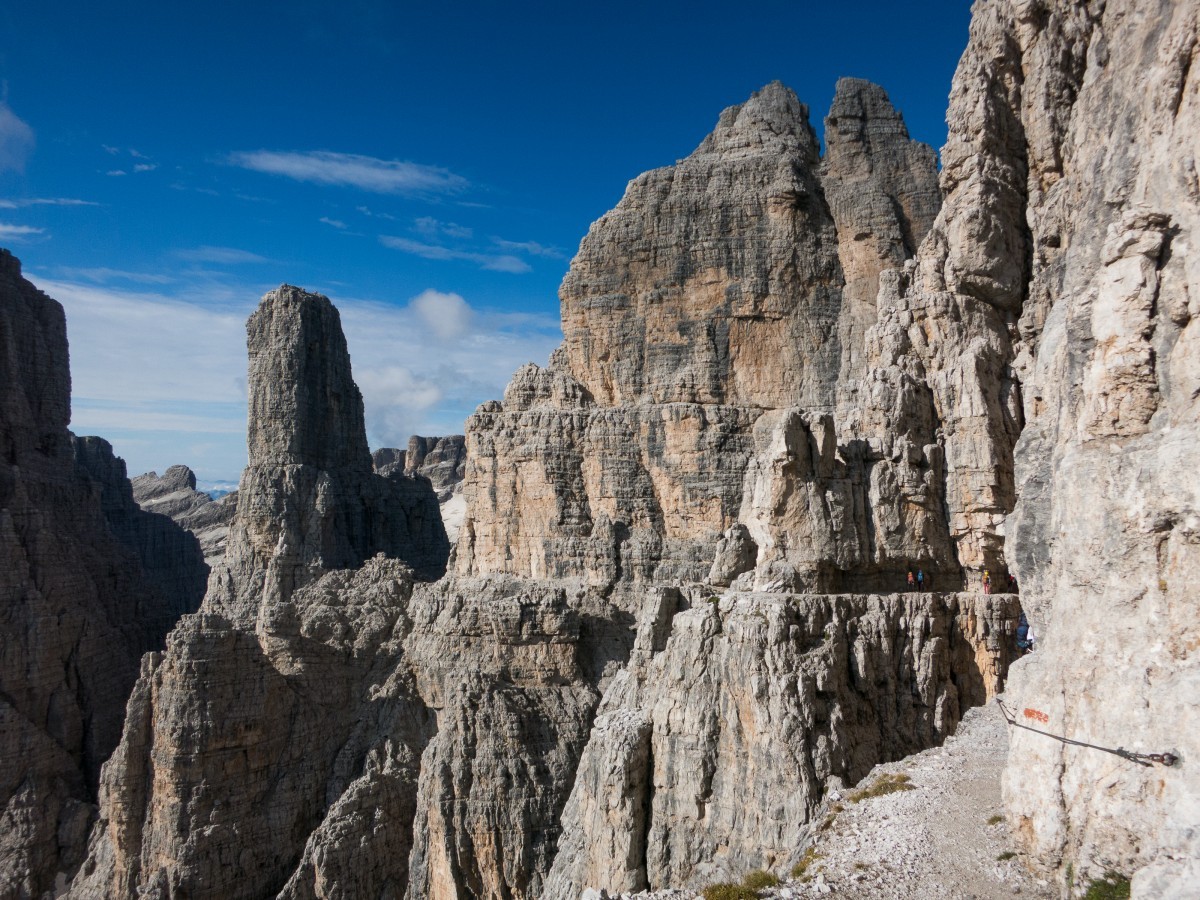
<point>780,373</point>
<point>441,740</point>
<point>717,370</point>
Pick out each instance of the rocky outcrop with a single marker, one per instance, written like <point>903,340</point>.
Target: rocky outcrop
<point>170,557</point>
<point>711,753</point>
<point>1072,212</point>
<point>715,368</point>
<point>309,501</point>
<point>88,583</point>
<point>175,495</point>
<point>441,460</point>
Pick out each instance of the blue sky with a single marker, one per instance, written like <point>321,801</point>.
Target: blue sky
<point>431,169</point>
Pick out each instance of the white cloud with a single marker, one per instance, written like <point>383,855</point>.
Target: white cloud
<point>381,176</point>
<point>163,376</point>
<point>490,261</point>
<point>145,167</point>
<point>44,201</point>
<point>220,255</point>
<point>448,315</point>
<point>18,232</point>
<point>16,140</point>
<point>367,211</point>
<point>116,173</point>
<point>336,223</point>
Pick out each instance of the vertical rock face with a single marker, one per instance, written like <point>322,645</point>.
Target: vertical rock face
<point>175,495</point>
<point>1081,135</point>
<point>716,354</point>
<point>443,460</point>
<point>309,500</point>
<point>88,583</point>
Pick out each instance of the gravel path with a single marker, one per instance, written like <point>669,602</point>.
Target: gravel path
<point>932,840</point>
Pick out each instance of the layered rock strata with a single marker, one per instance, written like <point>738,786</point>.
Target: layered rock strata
<point>175,495</point>
<point>718,370</point>
<point>88,583</point>
<point>309,501</point>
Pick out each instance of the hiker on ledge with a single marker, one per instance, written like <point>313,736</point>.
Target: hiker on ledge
<point>912,581</point>
<point>920,581</point>
<point>987,581</point>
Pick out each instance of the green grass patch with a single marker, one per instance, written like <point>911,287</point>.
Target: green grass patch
<point>884,784</point>
<point>727,891</point>
<point>760,879</point>
<point>1006,856</point>
<point>995,820</point>
<point>1112,886</point>
<point>800,869</point>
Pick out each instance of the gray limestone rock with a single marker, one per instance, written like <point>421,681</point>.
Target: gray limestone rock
<point>309,501</point>
<point>1100,135</point>
<point>88,583</point>
<point>175,495</point>
<point>720,292</point>
<point>711,753</point>
<point>440,460</point>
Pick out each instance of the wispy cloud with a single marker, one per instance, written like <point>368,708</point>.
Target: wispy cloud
<point>367,211</point>
<point>18,232</point>
<point>148,165</point>
<point>336,223</point>
<point>44,201</point>
<point>490,261</point>
<point>220,255</point>
<point>533,248</point>
<point>381,176</point>
<point>432,228</point>
<point>16,140</point>
<point>103,275</point>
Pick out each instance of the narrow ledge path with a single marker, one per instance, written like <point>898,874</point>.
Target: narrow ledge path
<point>943,839</point>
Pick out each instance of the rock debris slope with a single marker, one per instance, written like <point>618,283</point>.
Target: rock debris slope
<point>717,370</point>
<point>88,583</point>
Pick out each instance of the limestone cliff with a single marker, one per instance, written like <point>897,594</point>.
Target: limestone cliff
<point>175,495</point>
<point>711,752</point>
<point>1072,212</point>
<point>88,583</point>
<point>715,371</point>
